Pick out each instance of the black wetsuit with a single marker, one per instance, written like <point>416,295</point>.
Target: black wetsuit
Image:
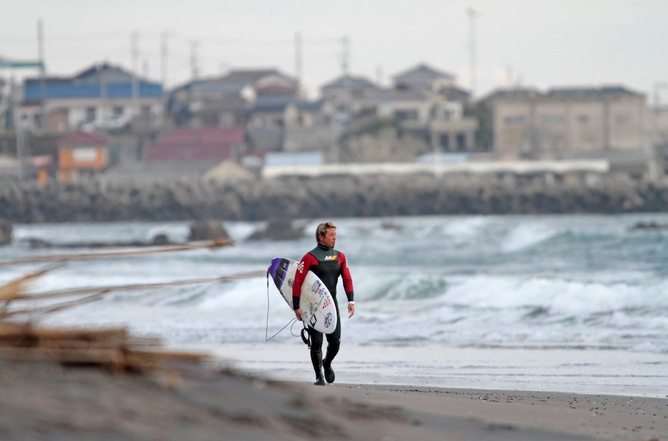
<point>328,264</point>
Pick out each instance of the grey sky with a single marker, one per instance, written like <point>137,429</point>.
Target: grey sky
<point>542,43</point>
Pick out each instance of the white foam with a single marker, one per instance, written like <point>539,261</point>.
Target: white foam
<point>525,236</point>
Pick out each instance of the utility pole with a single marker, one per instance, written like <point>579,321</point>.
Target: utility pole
<point>472,65</point>
<point>194,69</point>
<point>345,58</point>
<point>42,74</point>
<point>164,56</point>
<point>135,74</point>
<point>298,61</point>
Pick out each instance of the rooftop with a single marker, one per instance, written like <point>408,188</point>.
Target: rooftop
<point>82,139</point>
<point>422,74</point>
<point>349,81</point>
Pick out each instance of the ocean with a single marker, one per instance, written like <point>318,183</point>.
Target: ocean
<point>573,303</point>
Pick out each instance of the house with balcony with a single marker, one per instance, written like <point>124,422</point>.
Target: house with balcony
<point>102,97</point>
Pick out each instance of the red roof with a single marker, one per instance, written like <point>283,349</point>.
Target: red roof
<point>188,144</point>
<point>82,139</point>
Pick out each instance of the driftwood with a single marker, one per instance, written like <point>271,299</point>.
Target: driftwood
<point>128,253</point>
<point>102,290</point>
<point>114,349</point>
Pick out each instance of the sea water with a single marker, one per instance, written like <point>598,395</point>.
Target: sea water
<point>563,303</point>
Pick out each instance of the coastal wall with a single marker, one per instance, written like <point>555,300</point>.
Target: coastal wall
<point>332,196</point>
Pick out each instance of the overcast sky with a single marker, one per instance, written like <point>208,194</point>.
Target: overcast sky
<point>539,43</point>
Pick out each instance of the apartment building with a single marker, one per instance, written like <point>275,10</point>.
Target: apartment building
<point>569,122</point>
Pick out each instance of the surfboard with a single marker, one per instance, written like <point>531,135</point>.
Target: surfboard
<point>317,304</point>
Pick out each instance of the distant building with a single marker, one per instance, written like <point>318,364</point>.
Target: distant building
<point>566,122</point>
<point>183,153</point>
<point>424,101</point>
<point>255,99</point>
<point>228,100</point>
<point>266,128</point>
<point>100,97</point>
<point>658,129</point>
<point>309,126</point>
<point>426,79</point>
<point>346,88</point>
<point>205,144</point>
<point>81,154</point>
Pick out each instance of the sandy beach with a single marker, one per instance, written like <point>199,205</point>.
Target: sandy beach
<point>49,401</point>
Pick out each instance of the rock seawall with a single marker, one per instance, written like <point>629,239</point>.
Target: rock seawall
<point>342,196</point>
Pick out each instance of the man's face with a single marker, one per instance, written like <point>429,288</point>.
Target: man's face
<point>329,240</point>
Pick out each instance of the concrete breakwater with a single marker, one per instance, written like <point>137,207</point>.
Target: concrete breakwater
<point>336,196</point>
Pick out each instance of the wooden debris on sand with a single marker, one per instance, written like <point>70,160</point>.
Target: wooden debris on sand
<point>111,348</point>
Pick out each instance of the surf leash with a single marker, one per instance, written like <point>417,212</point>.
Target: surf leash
<point>306,339</point>
<point>291,322</point>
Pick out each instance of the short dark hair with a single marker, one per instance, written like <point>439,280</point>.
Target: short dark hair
<point>321,230</point>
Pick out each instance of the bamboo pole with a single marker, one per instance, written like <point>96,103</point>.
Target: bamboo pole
<point>102,290</point>
<point>114,254</point>
<point>12,289</point>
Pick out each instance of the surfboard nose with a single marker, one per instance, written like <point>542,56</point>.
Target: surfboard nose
<point>275,262</point>
<point>278,269</point>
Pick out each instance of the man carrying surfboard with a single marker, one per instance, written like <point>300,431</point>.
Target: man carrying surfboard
<point>328,264</point>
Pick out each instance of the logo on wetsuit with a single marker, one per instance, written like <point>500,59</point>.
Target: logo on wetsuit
<point>330,257</point>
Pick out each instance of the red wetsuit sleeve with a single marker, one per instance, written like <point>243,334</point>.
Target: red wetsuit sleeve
<point>300,275</point>
<point>347,278</point>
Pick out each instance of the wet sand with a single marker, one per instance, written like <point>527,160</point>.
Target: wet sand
<point>47,401</point>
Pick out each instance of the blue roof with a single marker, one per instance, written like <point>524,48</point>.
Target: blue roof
<point>32,90</point>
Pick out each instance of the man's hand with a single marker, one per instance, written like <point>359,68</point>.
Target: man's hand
<point>298,313</point>
<point>351,309</point>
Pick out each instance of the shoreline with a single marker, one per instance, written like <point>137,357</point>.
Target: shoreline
<point>48,401</point>
<point>592,415</point>
<point>609,372</point>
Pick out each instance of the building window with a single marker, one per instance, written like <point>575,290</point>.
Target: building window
<point>406,115</point>
<point>583,119</point>
<point>444,141</point>
<point>551,119</point>
<point>461,142</point>
<point>368,111</point>
<point>514,120</point>
<point>118,111</point>
<point>91,113</point>
<point>146,110</point>
<point>622,119</point>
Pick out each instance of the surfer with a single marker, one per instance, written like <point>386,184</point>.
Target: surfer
<point>328,264</point>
